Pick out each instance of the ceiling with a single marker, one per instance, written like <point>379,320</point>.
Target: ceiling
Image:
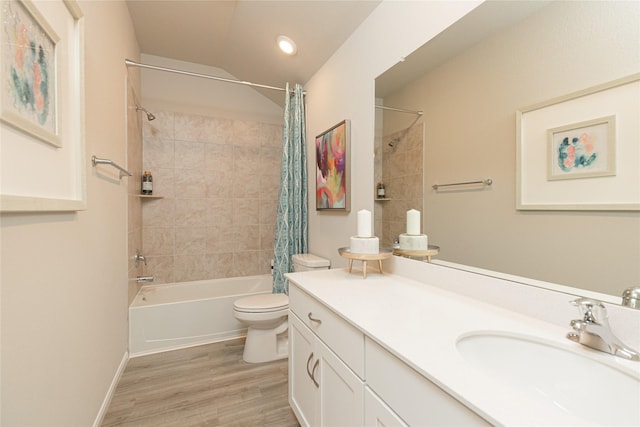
<point>487,19</point>
<point>239,36</point>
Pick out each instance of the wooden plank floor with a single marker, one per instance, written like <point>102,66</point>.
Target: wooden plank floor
<point>208,385</point>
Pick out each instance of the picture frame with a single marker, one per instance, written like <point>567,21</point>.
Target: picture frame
<point>42,161</point>
<point>333,157</point>
<point>582,150</point>
<point>29,72</point>
<point>608,112</point>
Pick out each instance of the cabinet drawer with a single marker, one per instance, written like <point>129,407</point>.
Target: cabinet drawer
<point>413,397</point>
<point>346,341</point>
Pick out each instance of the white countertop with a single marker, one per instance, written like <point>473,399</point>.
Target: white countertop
<point>420,324</point>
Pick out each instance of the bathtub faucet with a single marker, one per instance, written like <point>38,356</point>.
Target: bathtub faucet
<point>139,257</point>
<point>141,279</point>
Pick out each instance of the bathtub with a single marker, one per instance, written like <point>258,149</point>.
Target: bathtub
<point>178,315</point>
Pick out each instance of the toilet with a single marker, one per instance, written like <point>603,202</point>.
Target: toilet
<point>266,316</point>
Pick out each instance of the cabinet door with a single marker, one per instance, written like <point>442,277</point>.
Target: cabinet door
<point>303,393</point>
<point>341,391</point>
<point>378,414</point>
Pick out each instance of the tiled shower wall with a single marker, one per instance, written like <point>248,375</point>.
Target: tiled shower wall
<point>218,179</point>
<point>402,174</point>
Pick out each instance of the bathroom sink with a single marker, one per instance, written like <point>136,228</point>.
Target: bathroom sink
<point>573,382</point>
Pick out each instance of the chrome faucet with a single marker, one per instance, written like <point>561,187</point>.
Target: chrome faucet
<point>631,297</point>
<point>139,257</point>
<point>593,330</point>
<point>141,279</point>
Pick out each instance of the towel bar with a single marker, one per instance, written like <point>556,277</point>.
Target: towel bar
<point>98,161</point>
<point>487,181</point>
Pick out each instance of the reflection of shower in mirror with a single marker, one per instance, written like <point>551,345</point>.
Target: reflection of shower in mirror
<point>394,141</point>
<point>397,139</point>
<point>419,114</point>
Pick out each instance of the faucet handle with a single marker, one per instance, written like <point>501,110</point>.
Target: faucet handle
<point>631,297</point>
<point>139,257</point>
<point>592,311</point>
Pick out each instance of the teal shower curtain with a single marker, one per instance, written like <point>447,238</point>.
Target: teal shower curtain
<point>291,226</point>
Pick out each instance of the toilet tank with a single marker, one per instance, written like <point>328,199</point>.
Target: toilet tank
<point>309,262</point>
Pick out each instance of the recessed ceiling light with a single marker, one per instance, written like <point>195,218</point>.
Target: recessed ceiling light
<point>287,45</point>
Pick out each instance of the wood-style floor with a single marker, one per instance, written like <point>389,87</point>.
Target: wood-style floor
<point>208,385</point>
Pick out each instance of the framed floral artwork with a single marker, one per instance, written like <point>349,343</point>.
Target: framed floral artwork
<point>43,162</point>
<point>29,71</point>
<point>580,151</point>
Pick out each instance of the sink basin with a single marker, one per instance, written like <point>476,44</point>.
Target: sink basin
<point>574,383</point>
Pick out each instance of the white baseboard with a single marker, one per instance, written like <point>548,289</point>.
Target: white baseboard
<point>112,389</point>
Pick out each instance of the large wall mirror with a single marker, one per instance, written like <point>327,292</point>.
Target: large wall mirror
<point>469,82</point>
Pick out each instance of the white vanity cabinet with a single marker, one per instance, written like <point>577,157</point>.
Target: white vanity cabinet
<point>389,350</point>
<point>410,395</point>
<point>326,365</point>
<point>338,376</point>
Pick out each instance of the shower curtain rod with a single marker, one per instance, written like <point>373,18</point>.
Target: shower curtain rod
<point>130,63</point>
<point>401,110</point>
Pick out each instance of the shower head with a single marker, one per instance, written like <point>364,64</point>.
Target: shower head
<point>403,133</point>
<point>149,115</point>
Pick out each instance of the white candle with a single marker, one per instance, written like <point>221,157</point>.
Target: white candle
<point>364,223</point>
<point>413,222</point>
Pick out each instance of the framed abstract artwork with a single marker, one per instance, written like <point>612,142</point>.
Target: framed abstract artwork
<point>580,151</point>
<point>332,168</point>
<point>42,161</point>
<point>29,70</point>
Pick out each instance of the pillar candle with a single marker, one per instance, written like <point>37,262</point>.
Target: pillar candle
<point>364,223</point>
<point>413,222</point>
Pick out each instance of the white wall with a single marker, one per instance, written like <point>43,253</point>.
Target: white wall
<point>344,89</point>
<point>63,279</point>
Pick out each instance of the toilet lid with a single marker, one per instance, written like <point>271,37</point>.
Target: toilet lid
<point>262,303</point>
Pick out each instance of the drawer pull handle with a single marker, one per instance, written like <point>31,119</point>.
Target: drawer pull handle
<point>318,321</point>
<point>313,373</point>
<point>308,371</point>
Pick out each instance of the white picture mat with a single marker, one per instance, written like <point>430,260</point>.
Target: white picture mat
<point>619,192</point>
<point>35,175</point>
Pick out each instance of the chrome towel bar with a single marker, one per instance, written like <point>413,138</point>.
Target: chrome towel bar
<point>487,181</point>
<point>98,161</point>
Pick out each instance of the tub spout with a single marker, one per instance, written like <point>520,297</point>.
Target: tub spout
<point>142,279</point>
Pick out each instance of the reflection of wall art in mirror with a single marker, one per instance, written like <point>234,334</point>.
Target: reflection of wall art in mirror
<point>582,150</point>
<point>29,71</point>
<point>332,168</point>
<point>591,133</point>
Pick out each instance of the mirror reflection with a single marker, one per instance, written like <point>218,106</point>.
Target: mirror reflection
<point>399,169</point>
<point>469,82</point>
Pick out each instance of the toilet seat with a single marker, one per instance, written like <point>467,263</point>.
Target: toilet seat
<point>262,303</point>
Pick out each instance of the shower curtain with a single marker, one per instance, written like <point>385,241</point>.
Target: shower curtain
<point>291,226</point>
